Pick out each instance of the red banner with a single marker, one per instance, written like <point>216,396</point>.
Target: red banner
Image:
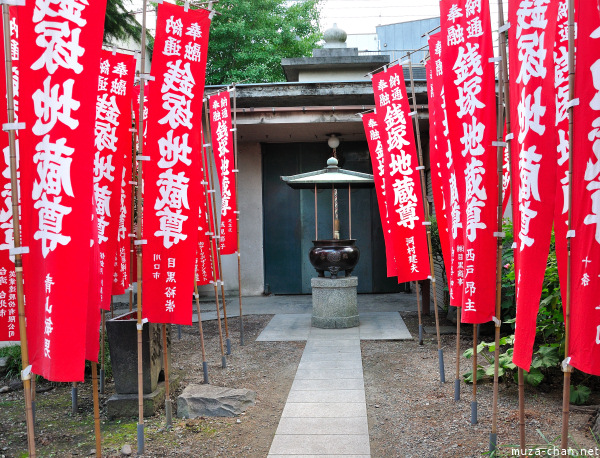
<point>402,179</point>
<point>113,145</point>
<point>204,267</point>
<point>584,341</point>
<point>93,318</point>
<point>505,175</point>
<point>456,272</point>
<point>469,84</point>
<point>531,42</point>
<point>136,109</point>
<point>222,145</point>
<point>172,173</point>
<point>59,71</point>
<point>561,86</point>
<point>439,171</point>
<point>374,139</point>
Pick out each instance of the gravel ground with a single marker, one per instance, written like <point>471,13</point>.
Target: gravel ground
<point>410,413</point>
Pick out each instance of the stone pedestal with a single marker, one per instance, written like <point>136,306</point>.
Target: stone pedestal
<point>334,302</point>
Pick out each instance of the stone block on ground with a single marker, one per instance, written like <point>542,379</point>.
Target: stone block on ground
<point>334,302</point>
<point>126,405</point>
<point>213,401</point>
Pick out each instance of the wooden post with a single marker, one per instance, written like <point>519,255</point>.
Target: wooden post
<point>237,201</point>
<point>567,368</point>
<point>204,363</point>
<point>427,224</point>
<point>213,255</point>
<point>132,210</point>
<point>419,312</point>
<point>165,348</point>
<point>474,399</point>
<point>97,431</point>
<point>25,375</point>
<point>139,241</point>
<point>502,93</point>
<point>457,378</point>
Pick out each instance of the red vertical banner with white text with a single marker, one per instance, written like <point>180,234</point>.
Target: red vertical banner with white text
<point>222,146</point>
<point>561,86</point>
<point>439,171</point>
<point>172,171</point>
<point>456,273</point>
<point>59,76</point>
<point>204,266</point>
<point>402,178</point>
<point>9,321</point>
<point>584,335</point>
<point>113,144</point>
<point>533,113</point>
<point>469,84</point>
<point>377,152</point>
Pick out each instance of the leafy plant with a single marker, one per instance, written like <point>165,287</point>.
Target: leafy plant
<point>580,394</point>
<point>13,366</point>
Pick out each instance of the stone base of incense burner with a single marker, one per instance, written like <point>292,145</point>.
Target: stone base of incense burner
<point>334,302</point>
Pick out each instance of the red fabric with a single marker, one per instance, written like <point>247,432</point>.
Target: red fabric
<point>505,175</point>
<point>113,145</point>
<point>204,269</point>
<point>439,170</point>
<point>561,85</point>
<point>212,225</point>
<point>469,85</point>
<point>58,99</point>
<point>9,314</point>
<point>136,109</point>
<point>455,272</point>
<point>374,133</point>
<point>172,175</point>
<point>531,44</point>
<point>402,179</point>
<point>92,343</point>
<point>222,146</point>
<point>584,341</point>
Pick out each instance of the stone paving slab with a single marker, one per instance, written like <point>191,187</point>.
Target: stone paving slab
<point>373,326</point>
<point>312,356</point>
<point>337,364</point>
<point>328,384</point>
<point>322,396</point>
<point>331,374</point>
<point>310,444</point>
<point>324,410</point>
<point>323,426</point>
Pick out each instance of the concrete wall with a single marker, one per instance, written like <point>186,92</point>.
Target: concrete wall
<point>334,74</point>
<point>251,226</point>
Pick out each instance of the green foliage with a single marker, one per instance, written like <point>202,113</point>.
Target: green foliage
<point>249,39</point>
<point>13,353</point>
<point>579,394</point>
<point>120,25</point>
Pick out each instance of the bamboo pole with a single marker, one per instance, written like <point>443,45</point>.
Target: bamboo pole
<point>25,376</point>
<point>212,233</point>
<point>210,162</point>
<point>168,407</point>
<point>427,223</point>
<point>457,378</point>
<point>567,368</point>
<point>138,243</point>
<point>237,205</point>
<point>474,398</point>
<point>97,431</point>
<point>204,362</point>
<point>102,333</point>
<point>522,440</point>
<point>132,209</point>
<point>74,393</point>
<point>500,233</point>
<point>33,399</point>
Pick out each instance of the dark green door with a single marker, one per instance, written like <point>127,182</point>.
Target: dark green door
<point>289,218</point>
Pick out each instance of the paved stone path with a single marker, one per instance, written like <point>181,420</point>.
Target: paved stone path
<point>326,413</point>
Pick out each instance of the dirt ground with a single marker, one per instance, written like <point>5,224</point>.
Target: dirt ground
<point>409,412</point>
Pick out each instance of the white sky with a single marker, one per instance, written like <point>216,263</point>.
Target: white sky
<point>363,16</point>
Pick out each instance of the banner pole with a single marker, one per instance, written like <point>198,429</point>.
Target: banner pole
<point>204,363</point>
<point>419,312</point>
<point>25,376</point>
<point>74,398</point>
<point>97,431</point>
<point>168,407</point>
<point>212,208</point>
<point>474,399</point>
<point>567,368</point>
<point>237,206</point>
<point>503,100</point>
<point>132,210</point>
<point>102,332</point>
<point>427,223</point>
<point>457,379</point>
<point>521,381</point>
<point>138,245</point>
<point>213,257</point>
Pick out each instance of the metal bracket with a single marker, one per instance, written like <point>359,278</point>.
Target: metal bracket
<point>509,136</point>
<point>19,250</point>
<point>496,321</point>
<point>147,77</point>
<point>571,234</point>
<point>12,2</point>
<point>142,158</point>
<point>504,28</point>
<point>499,234</point>
<point>140,242</point>
<point>420,167</point>
<point>500,144</point>
<point>13,126</point>
<point>26,373</point>
<point>572,103</point>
